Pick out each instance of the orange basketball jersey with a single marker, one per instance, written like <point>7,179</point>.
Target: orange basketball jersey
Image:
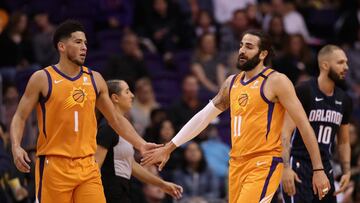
<point>66,116</point>
<point>256,122</point>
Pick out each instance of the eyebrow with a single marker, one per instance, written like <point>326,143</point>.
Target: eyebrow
<point>247,43</point>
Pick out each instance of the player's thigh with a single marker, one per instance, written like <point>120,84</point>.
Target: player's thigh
<point>51,183</point>
<point>262,182</point>
<point>91,189</point>
<point>235,179</point>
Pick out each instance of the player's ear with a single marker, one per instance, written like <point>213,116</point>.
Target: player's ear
<point>61,46</point>
<point>324,65</point>
<point>263,54</point>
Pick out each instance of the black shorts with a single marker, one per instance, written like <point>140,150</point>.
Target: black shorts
<point>304,190</point>
<point>117,190</point>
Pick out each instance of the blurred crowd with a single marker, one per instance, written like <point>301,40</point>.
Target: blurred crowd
<point>174,54</point>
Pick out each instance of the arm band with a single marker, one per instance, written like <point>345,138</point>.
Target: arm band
<point>196,124</point>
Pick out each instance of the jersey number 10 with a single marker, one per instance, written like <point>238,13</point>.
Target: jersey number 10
<point>324,134</point>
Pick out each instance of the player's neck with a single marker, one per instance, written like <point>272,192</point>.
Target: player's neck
<point>252,73</point>
<point>68,68</point>
<point>326,85</point>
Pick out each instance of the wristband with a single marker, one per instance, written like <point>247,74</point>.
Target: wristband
<point>318,169</point>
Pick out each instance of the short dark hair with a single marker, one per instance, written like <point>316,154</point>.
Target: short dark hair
<point>265,43</point>
<point>65,29</point>
<point>327,49</point>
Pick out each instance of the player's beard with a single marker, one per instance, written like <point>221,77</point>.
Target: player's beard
<point>75,61</point>
<point>250,64</point>
<point>336,78</point>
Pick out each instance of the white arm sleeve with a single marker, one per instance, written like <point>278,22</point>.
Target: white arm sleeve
<point>196,124</point>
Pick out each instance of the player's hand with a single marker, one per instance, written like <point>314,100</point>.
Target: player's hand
<point>344,182</point>
<point>288,180</point>
<point>321,184</point>
<point>145,148</point>
<point>172,189</point>
<point>21,159</point>
<point>158,156</point>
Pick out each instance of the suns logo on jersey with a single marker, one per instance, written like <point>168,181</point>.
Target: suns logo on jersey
<point>77,96</point>
<point>242,101</point>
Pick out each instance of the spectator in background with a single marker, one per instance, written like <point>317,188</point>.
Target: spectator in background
<point>348,24</point>
<point>353,53</point>
<point>214,150</point>
<point>207,64</point>
<point>15,45</point>
<point>230,35</point>
<point>193,8</point>
<point>130,64</point>
<point>278,35</point>
<point>5,165</point>
<point>163,134</point>
<point>14,183</point>
<point>45,53</point>
<point>152,193</point>
<point>144,103</point>
<point>189,103</point>
<point>253,16</point>
<point>157,116</point>
<point>163,26</point>
<point>294,22</point>
<point>297,59</point>
<point>10,102</point>
<point>115,14</point>
<point>205,24</point>
<point>196,178</point>
<point>224,9</point>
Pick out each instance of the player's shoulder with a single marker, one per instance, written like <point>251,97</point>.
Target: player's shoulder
<point>341,94</point>
<point>40,76</point>
<point>278,79</point>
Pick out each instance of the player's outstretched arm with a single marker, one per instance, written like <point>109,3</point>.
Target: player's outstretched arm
<point>284,91</point>
<point>289,176</point>
<point>36,83</point>
<point>146,176</point>
<point>344,150</point>
<point>192,128</point>
<point>117,121</point>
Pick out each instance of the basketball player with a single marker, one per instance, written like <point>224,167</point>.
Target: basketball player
<point>328,109</point>
<point>66,95</point>
<point>115,155</point>
<point>258,98</point>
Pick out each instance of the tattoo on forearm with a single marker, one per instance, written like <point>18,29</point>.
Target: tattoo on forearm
<point>286,152</point>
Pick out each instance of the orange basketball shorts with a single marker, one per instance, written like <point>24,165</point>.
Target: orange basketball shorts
<point>65,180</point>
<point>254,180</point>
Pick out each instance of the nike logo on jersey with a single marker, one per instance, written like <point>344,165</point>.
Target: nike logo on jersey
<point>338,102</point>
<point>259,163</point>
<point>57,81</point>
<point>318,99</point>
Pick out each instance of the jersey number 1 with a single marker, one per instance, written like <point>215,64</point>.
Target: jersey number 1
<point>324,134</point>
<point>76,121</point>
